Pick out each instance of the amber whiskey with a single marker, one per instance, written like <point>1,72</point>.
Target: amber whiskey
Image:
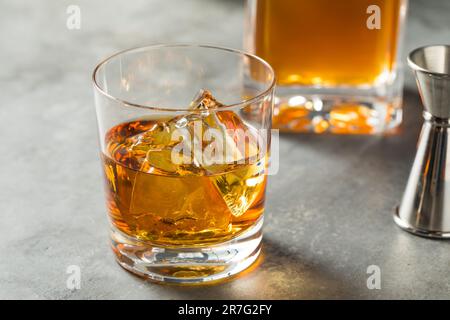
<point>335,62</point>
<point>151,198</point>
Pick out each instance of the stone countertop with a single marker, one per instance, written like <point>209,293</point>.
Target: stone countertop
<point>329,209</point>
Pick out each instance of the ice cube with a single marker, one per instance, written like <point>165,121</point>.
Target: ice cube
<point>237,184</point>
<point>164,205</point>
<point>221,134</point>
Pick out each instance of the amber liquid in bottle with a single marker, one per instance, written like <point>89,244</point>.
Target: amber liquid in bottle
<point>323,43</point>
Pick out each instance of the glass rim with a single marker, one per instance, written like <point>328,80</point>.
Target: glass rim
<point>183,45</point>
<point>413,65</point>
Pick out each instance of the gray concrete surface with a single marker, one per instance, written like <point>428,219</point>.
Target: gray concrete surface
<point>328,210</point>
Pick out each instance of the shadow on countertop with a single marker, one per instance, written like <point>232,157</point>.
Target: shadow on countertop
<point>279,274</point>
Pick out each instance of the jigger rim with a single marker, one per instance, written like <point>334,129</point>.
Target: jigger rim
<point>416,67</point>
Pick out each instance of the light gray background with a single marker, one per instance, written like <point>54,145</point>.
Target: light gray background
<point>329,210</point>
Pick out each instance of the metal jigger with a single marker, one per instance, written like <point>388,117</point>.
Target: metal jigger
<point>425,207</point>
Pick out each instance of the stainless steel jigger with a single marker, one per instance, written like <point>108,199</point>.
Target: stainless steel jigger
<point>425,207</point>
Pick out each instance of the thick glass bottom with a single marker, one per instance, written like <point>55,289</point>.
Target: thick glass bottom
<point>346,112</point>
<point>188,264</point>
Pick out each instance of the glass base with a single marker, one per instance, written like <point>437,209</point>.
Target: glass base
<point>344,111</point>
<point>188,265</point>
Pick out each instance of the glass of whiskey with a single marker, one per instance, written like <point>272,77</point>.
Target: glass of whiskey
<point>336,62</point>
<point>184,136</point>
